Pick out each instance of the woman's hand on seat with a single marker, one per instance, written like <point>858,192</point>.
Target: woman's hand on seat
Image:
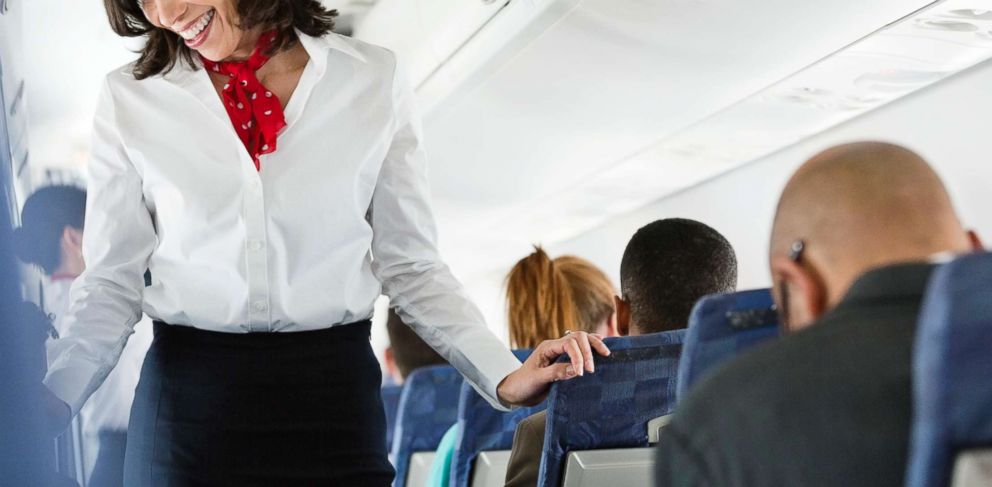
<point>529,384</point>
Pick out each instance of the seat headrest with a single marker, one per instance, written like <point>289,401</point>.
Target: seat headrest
<point>428,407</point>
<point>952,369</point>
<point>721,327</point>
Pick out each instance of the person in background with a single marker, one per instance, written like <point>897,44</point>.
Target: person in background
<point>855,237</point>
<point>50,237</point>
<point>667,266</point>
<point>406,351</point>
<point>546,298</point>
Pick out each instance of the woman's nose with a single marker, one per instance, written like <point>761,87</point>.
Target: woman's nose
<point>170,11</point>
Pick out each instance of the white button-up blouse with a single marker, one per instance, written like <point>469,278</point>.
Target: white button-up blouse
<point>337,215</point>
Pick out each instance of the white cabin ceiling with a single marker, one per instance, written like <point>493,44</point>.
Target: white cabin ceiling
<point>606,81</point>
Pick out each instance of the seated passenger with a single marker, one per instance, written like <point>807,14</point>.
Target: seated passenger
<point>50,237</point>
<point>545,299</point>
<point>667,266</point>
<point>855,230</point>
<point>406,351</point>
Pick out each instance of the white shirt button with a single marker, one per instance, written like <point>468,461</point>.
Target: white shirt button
<point>260,306</point>
<point>255,245</point>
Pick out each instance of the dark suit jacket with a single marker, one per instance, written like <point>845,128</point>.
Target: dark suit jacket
<point>827,406</point>
<point>525,459</point>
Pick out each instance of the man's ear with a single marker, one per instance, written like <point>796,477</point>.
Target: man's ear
<point>976,241</point>
<point>801,297</point>
<point>623,316</point>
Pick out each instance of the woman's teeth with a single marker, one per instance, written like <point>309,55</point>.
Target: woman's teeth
<point>195,29</point>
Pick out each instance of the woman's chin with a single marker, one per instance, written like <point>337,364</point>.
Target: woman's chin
<point>213,54</point>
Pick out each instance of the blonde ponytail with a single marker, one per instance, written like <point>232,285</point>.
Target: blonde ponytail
<point>546,298</point>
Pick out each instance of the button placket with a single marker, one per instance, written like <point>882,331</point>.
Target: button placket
<point>256,258</point>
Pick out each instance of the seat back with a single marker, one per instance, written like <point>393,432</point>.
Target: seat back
<point>390,404</point>
<point>482,428</point>
<point>428,407</point>
<point>952,370</point>
<point>722,326</point>
<point>612,407</point>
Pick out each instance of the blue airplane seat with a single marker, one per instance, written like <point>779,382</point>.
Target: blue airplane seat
<point>612,407</point>
<point>390,404</point>
<point>952,371</point>
<point>722,326</point>
<point>428,407</point>
<point>482,428</point>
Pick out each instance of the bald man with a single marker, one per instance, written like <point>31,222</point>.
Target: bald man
<point>856,234</point>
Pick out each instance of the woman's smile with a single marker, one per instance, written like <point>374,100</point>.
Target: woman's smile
<point>196,33</point>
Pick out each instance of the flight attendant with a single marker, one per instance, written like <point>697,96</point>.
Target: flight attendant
<point>270,175</point>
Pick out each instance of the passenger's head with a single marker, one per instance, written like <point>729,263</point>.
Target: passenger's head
<point>216,29</point>
<point>546,298</point>
<point>51,232</point>
<point>667,266</point>
<point>848,210</point>
<point>407,351</point>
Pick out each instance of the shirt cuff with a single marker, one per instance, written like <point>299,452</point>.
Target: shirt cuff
<point>71,384</point>
<point>493,371</point>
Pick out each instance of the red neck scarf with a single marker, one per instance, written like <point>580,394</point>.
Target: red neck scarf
<point>254,110</point>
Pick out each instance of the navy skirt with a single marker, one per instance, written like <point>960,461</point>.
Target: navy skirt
<point>297,408</point>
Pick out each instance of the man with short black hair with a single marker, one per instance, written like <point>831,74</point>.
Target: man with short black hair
<point>667,266</point>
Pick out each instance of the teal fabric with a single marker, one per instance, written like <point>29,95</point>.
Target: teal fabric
<point>441,468</point>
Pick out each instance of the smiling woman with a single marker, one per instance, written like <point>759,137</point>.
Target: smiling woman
<point>167,23</point>
<point>254,162</point>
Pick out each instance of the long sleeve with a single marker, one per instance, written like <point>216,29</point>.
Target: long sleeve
<point>118,239</point>
<point>406,261</point>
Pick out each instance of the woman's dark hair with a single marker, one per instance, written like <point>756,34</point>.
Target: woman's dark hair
<point>165,48</point>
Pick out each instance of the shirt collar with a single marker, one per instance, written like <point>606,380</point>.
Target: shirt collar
<point>317,47</point>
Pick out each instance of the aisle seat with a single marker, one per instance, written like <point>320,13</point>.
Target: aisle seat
<point>484,429</point>
<point>631,389</point>
<point>390,404</point>
<point>952,378</point>
<point>721,327</point>
<point>428,407</point>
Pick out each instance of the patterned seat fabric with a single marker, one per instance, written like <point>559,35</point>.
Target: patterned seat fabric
<point>428,407</point>
<point>482,428</point>
<point>952,370</point>
<point>390,403</point>
<point>611,408</point>
<point>722,326</point>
